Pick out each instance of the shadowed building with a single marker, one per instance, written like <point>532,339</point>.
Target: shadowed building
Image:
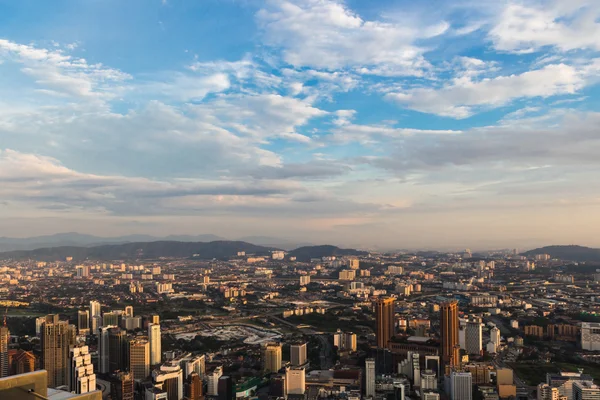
<point>450,348</point>
<point>384,314</point>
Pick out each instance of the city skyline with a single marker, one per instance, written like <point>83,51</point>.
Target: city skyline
<point>393,124</point>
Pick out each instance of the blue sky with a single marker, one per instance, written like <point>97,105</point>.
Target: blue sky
<point>388,124</point>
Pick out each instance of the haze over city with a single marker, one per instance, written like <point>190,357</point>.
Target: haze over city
<point>381,124</point>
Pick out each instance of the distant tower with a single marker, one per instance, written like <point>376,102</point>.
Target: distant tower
<point>384,313</point>
<point>370,377</point>
<point>83,322</point>
<point>129,311</point>
<point>193,386</point>
<point>118,350</point>
<point>473,336</point>
<point>155,345</point>
<point>95,311</point>
<point>450,349</point>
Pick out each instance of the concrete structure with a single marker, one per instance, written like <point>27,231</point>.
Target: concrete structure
<point>586,391</point>
<point>272,357</point>
<point>295,381</point>
<point>169,378</point>
<point>213,381</point>
<point>81,371</point>
<point>155,344</point>
<point>450,349</point>
<point>460,386</point>
<point>547,392</point>
<point>564,382</point>
<point>370,377</point>
<point>298,354</point>
<point>384,314</point>
<point>22,387</point>
<point>344,341</point>
<point>57,337</point>
<point>590,336</point>
<point>139,358</point>
<point>428,380</point>
<point>473,336</point>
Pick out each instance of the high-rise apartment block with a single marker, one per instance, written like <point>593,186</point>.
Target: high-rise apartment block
<point>298,354</point>
<point>57,337</point>
<point>272,357</point>
<point>295,381</point>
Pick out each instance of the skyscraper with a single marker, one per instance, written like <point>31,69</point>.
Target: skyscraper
<point>370,377</point>
<point>169,378</point>
<point>295,380</point>
<point>226,388</point>
<point>104,349</point>
<point>95,311</point>
<point>155,346</point>
<point>193,386</point>
<point>460,385</point>
<point>118,348</point>
<point>272,357</point>
<point>213,381</point>
<point>139,358</point>
<point>57,337</point>
<point>121,386</point>
<point>384,313</point>
<point>83,322</point>
<point>110,319</point>
<point>298,354</point>
<point>4,339</point>
<point>81,370</point>
<point>473,336</point>
<point>450,348</point>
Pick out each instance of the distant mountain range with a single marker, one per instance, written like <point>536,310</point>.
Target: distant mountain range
<point>82,240</point>
<point>571,253</point>
<point>220,249</point>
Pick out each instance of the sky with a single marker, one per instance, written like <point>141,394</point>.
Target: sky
<point>377,124</point>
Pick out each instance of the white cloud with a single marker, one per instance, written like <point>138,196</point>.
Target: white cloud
<point>55,71</point>
<point>325,34</point>
<point>464,96</point>
<point>525,27</point>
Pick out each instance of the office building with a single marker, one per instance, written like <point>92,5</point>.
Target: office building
<point>129,311</point>
<point>226,388</point>
<point>460,386</point>
<point>564,381</point>
<point>122,386</point>
<point>83,322</point>
<point>195,364</point>
<point>193,386</point>
<point>450,349</point>
<point>118,348</point>
<point>547,392</point>
<point>384,313</point>
<point>95,314</point>
<point>169,378</point>
<point>4,362</point>
<point>586,391</point>
<point>344,341</point>
<point>213,381</point>
<point>81,371</point>
<point>155,319</point>
<point>272,357</point>
<point>104,349</point>
<point>57,337</point>
<point>139,358</point>
<point>370,377</point>
<point>110,319</point>
<point>295,380</point>
<point>131,323</point>
<point>428,380</point>
<point>155,344</point>
<point>473,336</point>
<point>22,362</point>
<point>298,354</point>
<point>590,336</point>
